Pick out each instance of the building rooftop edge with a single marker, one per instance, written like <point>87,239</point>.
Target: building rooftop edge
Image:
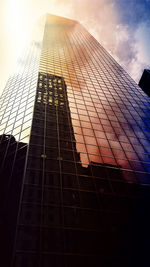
<point>61,17</point>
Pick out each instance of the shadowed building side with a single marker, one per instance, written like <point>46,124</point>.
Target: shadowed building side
<point>12,162</point>
<point>70,214</point>
<point>144,82</point>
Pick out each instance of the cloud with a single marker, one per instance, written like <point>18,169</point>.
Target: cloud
<point>123,28</point>
<point>132,48</point>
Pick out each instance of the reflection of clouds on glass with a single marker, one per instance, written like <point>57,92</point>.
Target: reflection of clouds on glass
<point>110,133</point>
<point>19,94</point>
<point>102,97</point>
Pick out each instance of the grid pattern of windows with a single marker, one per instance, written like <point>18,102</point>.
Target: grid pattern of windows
<point>18,98</point>
<point>16,112</point>
<point>110,113</point>
<point>85,190</point>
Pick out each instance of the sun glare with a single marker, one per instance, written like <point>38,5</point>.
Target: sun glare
<point>17,24</point>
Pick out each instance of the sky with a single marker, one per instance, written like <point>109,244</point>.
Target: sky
<point>121,26</point>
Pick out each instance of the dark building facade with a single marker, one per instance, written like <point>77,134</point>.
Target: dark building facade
<point>144,82</point>
<point>75,156</point>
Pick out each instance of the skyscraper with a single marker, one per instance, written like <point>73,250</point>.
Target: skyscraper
<point>75,163</point>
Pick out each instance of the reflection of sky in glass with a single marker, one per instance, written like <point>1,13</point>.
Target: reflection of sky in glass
<point>17,101</point>
<point>109,113</point>
<point>107,107</point>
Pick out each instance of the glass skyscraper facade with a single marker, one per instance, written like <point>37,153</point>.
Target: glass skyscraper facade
<point>75,156</point>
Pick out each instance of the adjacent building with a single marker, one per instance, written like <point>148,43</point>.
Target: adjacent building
<point>74,154</point>
<point>144,82</point>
